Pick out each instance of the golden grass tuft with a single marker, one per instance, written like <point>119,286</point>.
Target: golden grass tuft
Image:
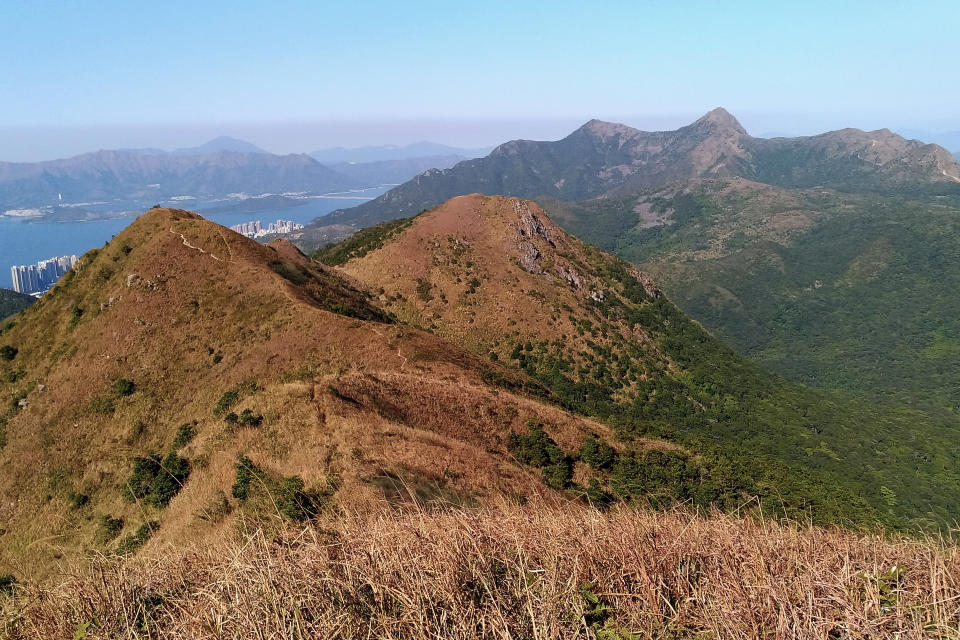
<point>535,571</point>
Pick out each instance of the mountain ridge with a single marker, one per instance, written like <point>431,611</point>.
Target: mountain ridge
<point>232,358</point>
<point>112,174</point>
<point>497,276</point>
<point>601,158</point>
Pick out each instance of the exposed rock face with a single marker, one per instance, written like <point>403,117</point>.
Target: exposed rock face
<point>529,228</point>
<point>647,282</point>
<point>570,276</point>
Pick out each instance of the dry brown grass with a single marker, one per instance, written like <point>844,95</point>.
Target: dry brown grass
<point>514,571</point>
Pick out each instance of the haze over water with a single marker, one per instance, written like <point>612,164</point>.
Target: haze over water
<point>26,242</point>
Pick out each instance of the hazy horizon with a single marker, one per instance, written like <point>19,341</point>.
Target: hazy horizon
<point>307,76</point>
<point>39,143</point>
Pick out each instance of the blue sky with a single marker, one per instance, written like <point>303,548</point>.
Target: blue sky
<point>84,75</point>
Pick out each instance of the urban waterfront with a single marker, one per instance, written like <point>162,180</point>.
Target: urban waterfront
<point>27,242</point>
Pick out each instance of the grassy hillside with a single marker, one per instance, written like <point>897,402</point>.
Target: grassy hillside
<point>837,291</point>
<point>185,378</point>
<point>521,572</point>
<point>496,275</point>
<point>12,302</point>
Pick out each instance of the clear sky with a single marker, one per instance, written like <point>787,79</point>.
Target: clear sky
<point>294,76</point>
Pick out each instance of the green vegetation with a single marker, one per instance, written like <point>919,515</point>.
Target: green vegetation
<point>8,352</point>
<point>185,434</point>
<point>840,291</point>
<point>361,243</point>
<point>329,291</point>
<point>108,528</point>
<point>8,582</point>
<point>75,314</point>
<point>226,401</point>
<point>123,387</point>
<point>12,302</point>
<point>154,481</point>
<point>137,539</point>
<point>537,449</point>
<point>597,453</point>
<point>863,302</point>
<point>267,493</point>
<point>754,434</point>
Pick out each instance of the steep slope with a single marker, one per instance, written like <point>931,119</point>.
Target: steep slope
<point>496,275</point>
<point>837,290</point>
<point>108,175</point>
<point>12,302</point>
<point>262,382</point>
<point>602,158</point>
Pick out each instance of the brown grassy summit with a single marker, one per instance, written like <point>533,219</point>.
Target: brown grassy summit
<point>184,339</point>
<point>495,275</point>
<point>495,271</point>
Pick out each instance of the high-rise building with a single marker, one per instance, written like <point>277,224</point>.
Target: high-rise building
<point>37,278</point>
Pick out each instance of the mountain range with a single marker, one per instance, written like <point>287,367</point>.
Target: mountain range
<point>603,158</point>
<point>825,258</point>
<point>137,176</point>
<point>215,169</point>
<point>236,362</point>
<point>184,377</point>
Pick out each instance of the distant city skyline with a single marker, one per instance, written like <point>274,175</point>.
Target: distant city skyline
<point>38,278</point>
<point>301,75</point>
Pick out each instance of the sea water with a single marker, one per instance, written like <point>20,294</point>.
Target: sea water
<point>27,241</point>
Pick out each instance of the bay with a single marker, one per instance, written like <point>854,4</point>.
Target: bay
<point>26,242</point>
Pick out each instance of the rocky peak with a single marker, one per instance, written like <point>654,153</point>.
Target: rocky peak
<point>720,119</point>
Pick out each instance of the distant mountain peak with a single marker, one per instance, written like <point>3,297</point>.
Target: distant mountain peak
<point>720,118</point>
<point>603,130</point>
<point>218,144</point>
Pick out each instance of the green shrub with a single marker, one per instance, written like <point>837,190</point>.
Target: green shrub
<point>137,539</point>
<point>296,503</point>
<point>286,495</point>
<point>185,434</point>
<point>248,419</point>
<point>8,353</point>
<point>123,387</point>
<point>246,472</point>
<point>108,528</point>
<point>226,401</point>
<point>103,275</point>
<point>155,481</point>
<point>537,449</point>
<point>78,500</point>
<point>597,496</point>
<point>8,582</point>
<point>597,453</point>
<point>75,314</point>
